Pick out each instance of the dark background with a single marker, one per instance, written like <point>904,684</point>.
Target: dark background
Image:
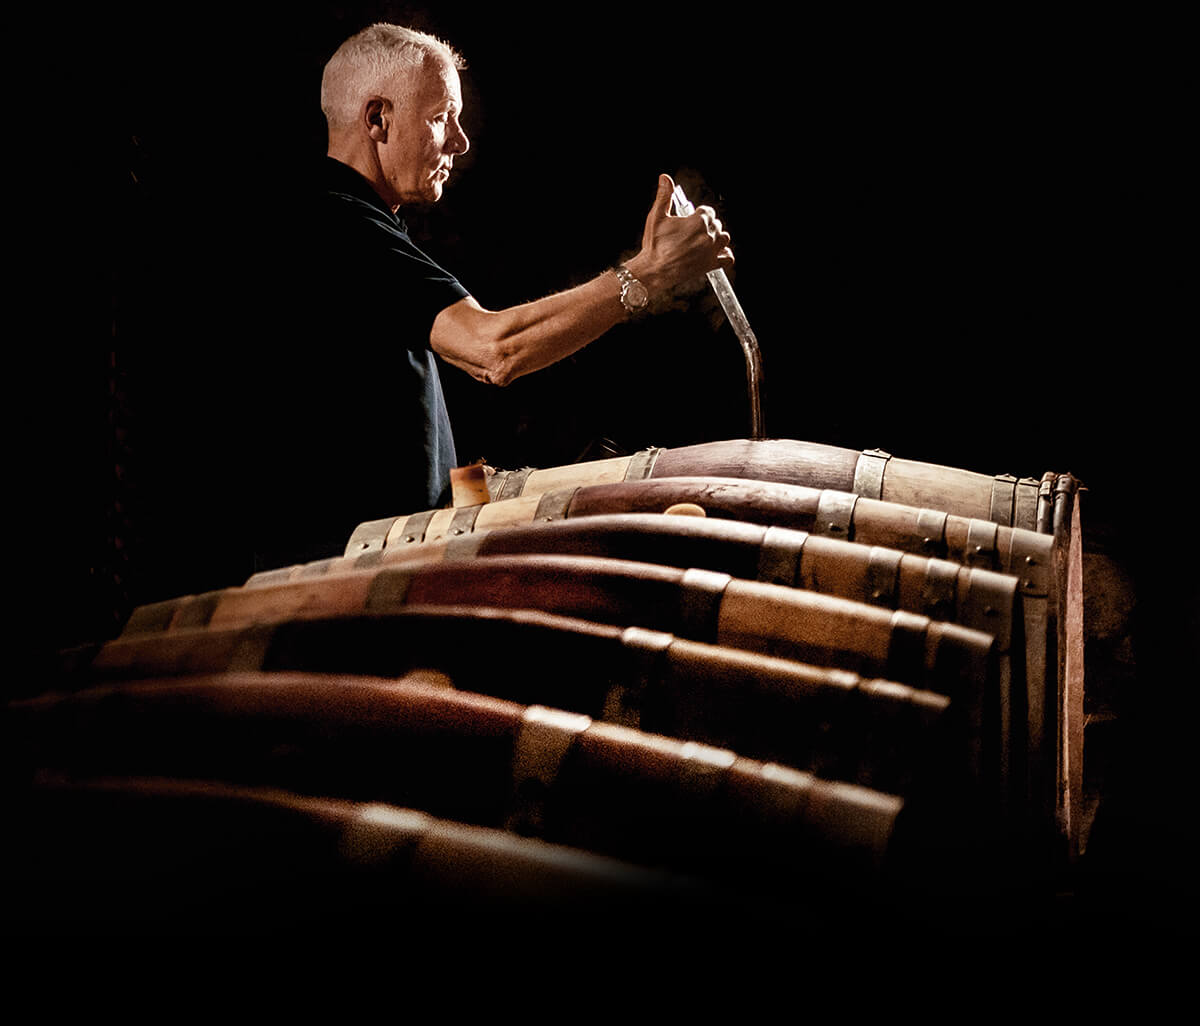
<point>959,238</point>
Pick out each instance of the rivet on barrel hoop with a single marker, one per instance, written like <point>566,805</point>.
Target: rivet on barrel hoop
<point>415,526</point>
<point>835,510</point>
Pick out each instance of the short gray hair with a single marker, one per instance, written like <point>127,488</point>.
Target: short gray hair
<point>369,63</point>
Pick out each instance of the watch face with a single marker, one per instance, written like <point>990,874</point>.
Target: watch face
<point>636,295</point>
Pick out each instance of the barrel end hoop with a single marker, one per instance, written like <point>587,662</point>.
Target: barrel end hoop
<point>253,647</point>
<point>197,612</point>
<point>700,596</point>
<point>369,536</point>
<point>411,530</point>
<point>152,617</point>
<point>1025,502</point>
<point>543,740</point>
<point>883,576</point>
<point>389,590</point>
<point>981,552</point>
<point>869,471</point>
<point>1004,493</point>
<point>907,655</point>
<point>780,556</point>
<point>1045,503</point>
<point>647,665</point>
<point>835,514</point>
<point>512,486</point>
<point>554,505</point>
<point>641,464</point>
<point>463,521</point>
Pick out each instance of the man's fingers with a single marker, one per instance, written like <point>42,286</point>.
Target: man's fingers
<point>708,217</point>
<point>716,231</point>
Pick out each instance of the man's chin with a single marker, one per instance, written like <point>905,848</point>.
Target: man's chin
<point>428,196</point>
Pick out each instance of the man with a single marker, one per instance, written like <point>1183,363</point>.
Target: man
<point>393,102</point>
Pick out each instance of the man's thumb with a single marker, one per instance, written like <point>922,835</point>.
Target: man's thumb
<point>662,203</point>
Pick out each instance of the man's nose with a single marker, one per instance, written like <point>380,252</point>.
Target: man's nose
<point>457,141</point>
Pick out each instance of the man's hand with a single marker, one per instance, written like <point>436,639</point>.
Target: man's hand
<point>679,249</point>
<point>502,345</point>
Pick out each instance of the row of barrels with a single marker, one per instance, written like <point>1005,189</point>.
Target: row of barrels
<point>737,675</point>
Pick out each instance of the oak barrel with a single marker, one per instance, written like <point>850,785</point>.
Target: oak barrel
<point>923,531</point>
<point>658,802</point>
<point>696,604</point>
<point>197,858</point>
<point>1041,561</point>
<point>874,474</point>
<point>941,589</point>
<point>830,722</point>
<point>700,605</point>
<point>984,600</point>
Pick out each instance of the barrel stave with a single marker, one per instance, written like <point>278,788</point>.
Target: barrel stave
<point>780,710</point>
<point>649,799</point>
<point>784,460</point>
<point>204,858</point>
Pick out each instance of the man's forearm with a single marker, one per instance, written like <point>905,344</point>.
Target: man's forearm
<point>499,346</point>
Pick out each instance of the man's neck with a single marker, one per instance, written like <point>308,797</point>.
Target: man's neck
<point>366,163</point>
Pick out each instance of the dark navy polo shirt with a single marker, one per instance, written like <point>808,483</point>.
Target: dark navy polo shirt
<point>387,293</point>
<point>347,418</point>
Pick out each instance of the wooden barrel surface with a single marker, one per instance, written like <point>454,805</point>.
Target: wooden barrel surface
<point>838,663</point>
<point>869,573</point>
<point>830,722</point>
<point>699,605</point>
<point>842,515</point>
<point>696,604</point>
<point>941,589</point>
<point>874,474</point>
<point>999,604</point>
<point>983,600</point>
<point>1041,563</point>
<point>198,856</point>
<point>651,800</point>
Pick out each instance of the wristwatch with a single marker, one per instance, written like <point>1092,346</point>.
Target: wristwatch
<point>634,296</point>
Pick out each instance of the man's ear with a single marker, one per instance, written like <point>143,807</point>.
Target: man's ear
<point>376,116</point>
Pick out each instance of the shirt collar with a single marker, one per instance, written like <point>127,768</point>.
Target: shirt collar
<point>343,178</point>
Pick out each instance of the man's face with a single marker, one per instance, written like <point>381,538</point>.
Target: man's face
<point>424,136</point>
